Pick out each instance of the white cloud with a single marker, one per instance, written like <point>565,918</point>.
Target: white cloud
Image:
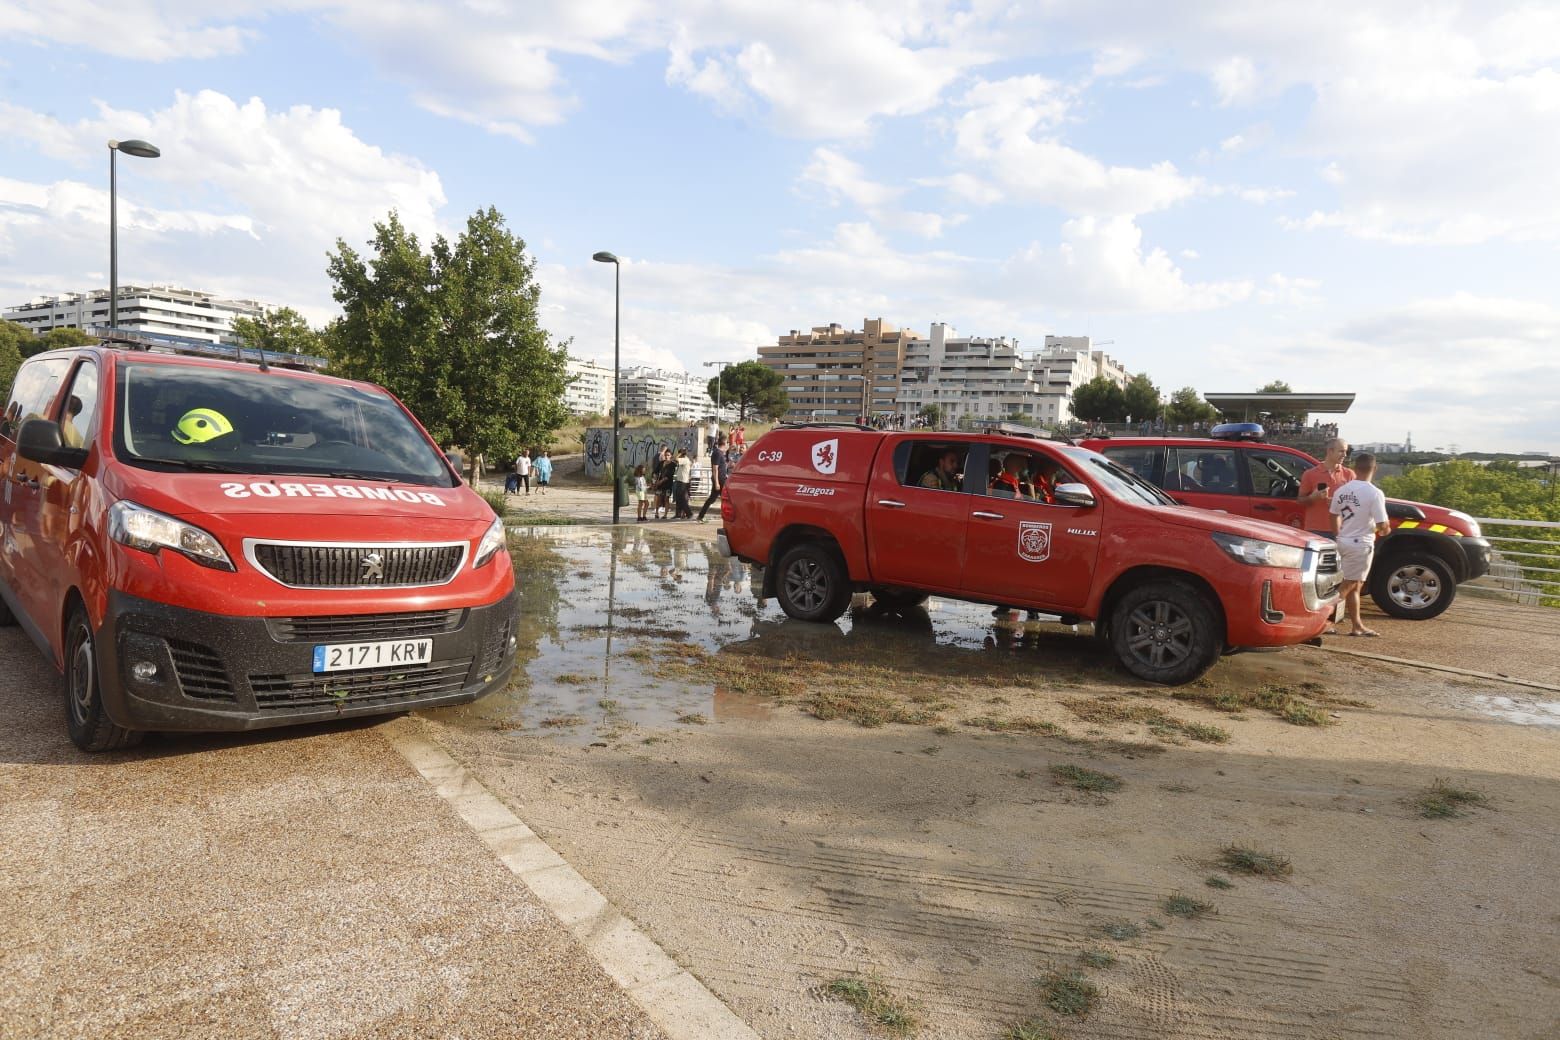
<point>843,179</point>
<point>1286,291</point>
<point>1235,79</point>
<point>1262,196</point>
<point>149,31</point>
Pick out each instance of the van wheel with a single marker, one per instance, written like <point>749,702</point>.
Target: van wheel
<point>812,584</point>
<point>1415,586</point>
<point>1165,632</point>
<point>896,598</point>
<point>90,727</point>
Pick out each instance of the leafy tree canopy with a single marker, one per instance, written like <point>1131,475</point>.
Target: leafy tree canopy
<point>279,331</point>
<point>753,387</point>
<point>1187,406</point>
<point>13,338</point>
<point>1500,489</point>
<point>932,413</point>
<point>1142,398</point>
<point>1277,386</point>
<point>1099,400</point>
<point>455,332</point>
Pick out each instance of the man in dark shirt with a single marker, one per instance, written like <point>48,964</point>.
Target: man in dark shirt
<point>718,473</point>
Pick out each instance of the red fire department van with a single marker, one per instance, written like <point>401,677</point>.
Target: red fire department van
<point>1009,518</point>
<point>201,544</point>
<point>1417,568</point>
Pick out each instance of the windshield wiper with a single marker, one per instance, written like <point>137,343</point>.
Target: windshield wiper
<point>197,465</point>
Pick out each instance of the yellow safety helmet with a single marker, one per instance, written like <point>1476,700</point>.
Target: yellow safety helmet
<point>199,425</point>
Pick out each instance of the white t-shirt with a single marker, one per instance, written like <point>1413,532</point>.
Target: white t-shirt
<point>523,465</point>
<point>1362,506</point>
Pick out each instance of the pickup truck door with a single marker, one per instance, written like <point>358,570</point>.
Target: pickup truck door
<point>1211,477</point>
<point>1275,485</point>
<point>915,534</point>
<point>1027,552</point>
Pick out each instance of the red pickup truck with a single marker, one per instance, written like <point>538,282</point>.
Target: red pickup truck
<point>1020,521</point>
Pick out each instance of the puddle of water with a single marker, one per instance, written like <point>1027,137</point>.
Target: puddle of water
<point>1520,710</point>
<point>591,596</point>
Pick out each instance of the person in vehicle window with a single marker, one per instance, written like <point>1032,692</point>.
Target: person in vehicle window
<point>1012,478</point>
<point>945,476</point>
<point>70,434</point>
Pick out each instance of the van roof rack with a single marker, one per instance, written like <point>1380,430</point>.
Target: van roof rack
<point>1013,429</point>
<point>189,346</point>
<point>826,425</point>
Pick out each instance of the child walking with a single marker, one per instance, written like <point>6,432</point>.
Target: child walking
<point>641,493</point>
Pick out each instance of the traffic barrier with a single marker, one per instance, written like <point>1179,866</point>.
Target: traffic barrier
<point>1525,561</point>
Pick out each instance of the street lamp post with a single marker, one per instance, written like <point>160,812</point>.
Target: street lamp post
<point>604,257</point>
<point>720,368</point>
<point>861,413</point>
<point>140,149</point>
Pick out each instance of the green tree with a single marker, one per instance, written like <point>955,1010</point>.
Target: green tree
<point>754,387</point>
<point>56,339</point>
<point>454,332</point>
<point>1142,398</point>
<point>1099,400</point>
<point>1187,406</point>
<point>13,338</point>
<point>933,414</point>
<point>1277,386</point>
<point>279,331</point>
<point>1500,489</point>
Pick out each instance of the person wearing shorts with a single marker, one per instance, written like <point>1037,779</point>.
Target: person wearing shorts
<point>1359,515</point>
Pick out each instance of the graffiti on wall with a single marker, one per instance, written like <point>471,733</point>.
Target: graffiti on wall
<point>639,447</point>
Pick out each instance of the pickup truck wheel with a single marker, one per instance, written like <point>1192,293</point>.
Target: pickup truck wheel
<point>897,598</point>
<point>1166,633</point>
<point>812,585</point>
<point>89,725</point>
<point>1415,586</point>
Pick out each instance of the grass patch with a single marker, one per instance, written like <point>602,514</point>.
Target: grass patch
<point>574,679</point>
<point>526,518</point>
<point>1069,993</point>
<point>1442,801</point>
<point>557,721</point>
<point>1121,931</point>
<point>866,709</point>
<point>1299,713</point>
<point>1023,724</point>
<point>1096,958</point>
<point>942,729</point>
<point>693,718</point>
<point>1206,733</point>
<point>1180,904</point>
<point>1218,881</point>
<point>1114,709</point>
<point>1031,1030</point>
<point>870,997</point>
<point>495,501</point>
<point>609,706</point>
<point>1082,779</point>
<point>1241,859</point>
<point>1290,703</point>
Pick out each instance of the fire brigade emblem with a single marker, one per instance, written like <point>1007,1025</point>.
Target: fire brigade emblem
<point>826,455</point>
<point>1034,541</point>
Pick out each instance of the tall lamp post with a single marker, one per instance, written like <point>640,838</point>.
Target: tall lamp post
<point>720,367</point>
<point>142,150</point>
<point>605,257</point>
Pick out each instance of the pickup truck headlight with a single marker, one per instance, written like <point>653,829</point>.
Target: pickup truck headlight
<point>1469,522</point>
<point>151,531</point>
<point>494,540</point>
<point>1259,553</point>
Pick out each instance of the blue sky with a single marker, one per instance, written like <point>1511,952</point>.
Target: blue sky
<point>1349,196</point>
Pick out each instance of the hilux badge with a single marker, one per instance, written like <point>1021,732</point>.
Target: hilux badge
<point>373,566</point>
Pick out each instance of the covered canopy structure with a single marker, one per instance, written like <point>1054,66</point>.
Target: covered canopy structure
<point>1248,407</point>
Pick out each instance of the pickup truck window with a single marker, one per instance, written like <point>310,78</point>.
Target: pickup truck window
<point>1014,473</point>
<point>939,467</point>
<point>1274,474</point>
<point>1210,471</point>
<point>1136,459</point>
<point>1125,485</point>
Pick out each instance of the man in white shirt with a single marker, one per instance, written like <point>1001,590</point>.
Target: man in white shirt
<point>523,470</point>
<point>1359,516</point>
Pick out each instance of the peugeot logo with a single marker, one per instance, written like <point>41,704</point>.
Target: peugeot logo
<point>374,566</point>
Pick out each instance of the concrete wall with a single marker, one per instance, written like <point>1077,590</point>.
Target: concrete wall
<point>639,446</point>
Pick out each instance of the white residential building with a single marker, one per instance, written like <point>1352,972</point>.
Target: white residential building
<point>159,309</point>
<point>590,388</point>
<point>669,394</point>
<point>1068,362</point>
<point>975,378</point>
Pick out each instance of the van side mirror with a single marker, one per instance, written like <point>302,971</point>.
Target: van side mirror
<point>1073,495</point>
<point>40,441</point>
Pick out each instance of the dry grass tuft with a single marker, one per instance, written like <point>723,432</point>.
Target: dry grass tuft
<point>872,998</point>
<point>1442,801</point>
<point>1069,993</point>
<point>1082,779</point>
<point>1242,859</point>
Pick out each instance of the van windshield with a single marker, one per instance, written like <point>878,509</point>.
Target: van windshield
<point>222,421</point>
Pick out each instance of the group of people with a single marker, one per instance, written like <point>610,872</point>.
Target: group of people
<point>664,487</point>
<point>1343,504</point>
<point>529,464</point>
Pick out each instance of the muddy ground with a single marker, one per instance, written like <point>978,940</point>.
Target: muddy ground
<point>1000,828</point>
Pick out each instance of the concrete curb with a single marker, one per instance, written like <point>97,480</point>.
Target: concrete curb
<point>1509,680</point>
<point>679,1004</point>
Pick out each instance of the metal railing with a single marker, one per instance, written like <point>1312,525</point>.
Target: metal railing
<point>1524,563</point>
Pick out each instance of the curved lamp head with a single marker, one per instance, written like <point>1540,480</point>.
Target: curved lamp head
<point>140,149</point>
<point>605,257</point>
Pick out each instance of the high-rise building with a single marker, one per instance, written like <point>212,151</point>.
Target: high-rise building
<point>667,394</point>
<point>156,309</point>
<point>975,378</point>
<point>590,388</point>
<point>836,373</point>
<point>1070,361</point>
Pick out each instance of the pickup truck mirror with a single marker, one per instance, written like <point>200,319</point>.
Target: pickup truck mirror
<point>40,441</point>
<point>1073,495</point>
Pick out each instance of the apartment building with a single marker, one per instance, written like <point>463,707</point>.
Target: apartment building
<point>157,309</point>
<point>590,387</point>
<point>668,394</point>
<point>1068,362</point>
<point>832,372</point>
<point>971,378</point>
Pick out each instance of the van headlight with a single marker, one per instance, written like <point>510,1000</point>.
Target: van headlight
<point>151,531</point>
<point>1259,553</point>
<point>494,540</point>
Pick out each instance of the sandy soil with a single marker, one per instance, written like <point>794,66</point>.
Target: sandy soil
<point>770,851</point>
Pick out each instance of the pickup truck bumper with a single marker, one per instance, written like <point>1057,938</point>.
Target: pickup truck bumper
<point>1477,553</point>
<point>722,543</point>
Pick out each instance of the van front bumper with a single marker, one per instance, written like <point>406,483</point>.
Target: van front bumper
<point>219,672</point>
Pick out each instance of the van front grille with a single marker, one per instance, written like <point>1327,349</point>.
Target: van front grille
<point>200,672</point>
<point>358,566</point>
<point>367,686</point>
<point>358,628</point>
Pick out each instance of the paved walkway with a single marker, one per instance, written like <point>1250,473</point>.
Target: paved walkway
<point>309,884</point>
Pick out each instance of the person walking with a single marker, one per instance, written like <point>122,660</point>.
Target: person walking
<point>682,476</point>
<point>1319,483</point>
<point>641,493</point>
<point>718,473</point>
<point>543,468</point>
<point>1359,517</point>
<point>523,469</point>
